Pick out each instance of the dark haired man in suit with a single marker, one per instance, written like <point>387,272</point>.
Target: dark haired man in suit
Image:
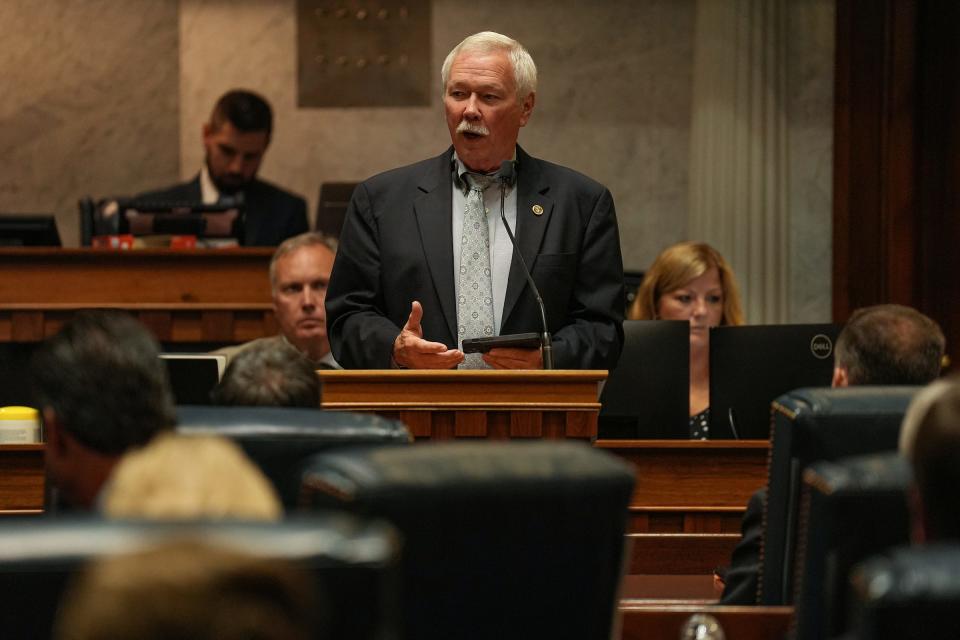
<point>102,391</point>
<point>425,262</point>
<point>235,141</point>
<point>885,344</point>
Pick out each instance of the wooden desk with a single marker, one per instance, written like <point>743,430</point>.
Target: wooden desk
<point>496,405</point>
<point>691,486</point>
<point>21,479</point>
<point>203,295</point>
<point>679,553</point>
<point>659,621</point>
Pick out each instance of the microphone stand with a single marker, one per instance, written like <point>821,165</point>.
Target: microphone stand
<point>546,344</point>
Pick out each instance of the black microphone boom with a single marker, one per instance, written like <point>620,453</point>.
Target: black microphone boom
<point>506,176</point>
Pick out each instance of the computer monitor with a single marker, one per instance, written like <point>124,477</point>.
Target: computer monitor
<point>752,365</point>
<point>193,375</point>
<point>15,388</point>
<point>28,230</point>
<point>138,217</point>
<point>647,395</point>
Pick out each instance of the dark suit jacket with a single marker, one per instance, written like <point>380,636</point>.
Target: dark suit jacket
<point>271,214</point>
<point>743,576</point>
<point>396,247</point>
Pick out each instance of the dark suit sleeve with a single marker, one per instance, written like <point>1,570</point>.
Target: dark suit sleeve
<point>297,223</point>
<point>742,578</point>
<point>361,336</point>
<point>593,335</point>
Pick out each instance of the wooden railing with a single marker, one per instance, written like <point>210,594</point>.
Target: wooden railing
<point>220,295</point>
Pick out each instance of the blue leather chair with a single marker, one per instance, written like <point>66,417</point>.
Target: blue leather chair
<point>501,540</point>
<point>908,594</point>
<point>354,563</point>
<point>850,510</point>
<point>811,425</point>
<point>279,440</point>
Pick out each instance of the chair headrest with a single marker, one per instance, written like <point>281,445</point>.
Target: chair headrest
<point>267,423</point>
<point>882,472</point>
<point>847,401</point>
<point>322,539</point>
<point>494,468</point>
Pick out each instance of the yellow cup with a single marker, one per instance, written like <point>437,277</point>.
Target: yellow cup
<point>19,425</point>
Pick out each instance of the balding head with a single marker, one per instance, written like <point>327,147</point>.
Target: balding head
<point>888,344</point>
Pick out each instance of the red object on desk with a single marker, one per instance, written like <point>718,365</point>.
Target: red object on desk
<point>120,241</point>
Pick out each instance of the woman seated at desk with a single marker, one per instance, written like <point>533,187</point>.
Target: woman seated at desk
<point>691,281</point>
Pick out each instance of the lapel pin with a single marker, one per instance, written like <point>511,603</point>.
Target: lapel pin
<point>537,210</point>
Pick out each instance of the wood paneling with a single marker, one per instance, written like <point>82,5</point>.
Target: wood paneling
<point>212,296</point>
<point>663,622</point>
<point>21,479</point>
<point>896,212</point>
<point>443,405</point>
<point>691,486</point>
<point>679,553</point>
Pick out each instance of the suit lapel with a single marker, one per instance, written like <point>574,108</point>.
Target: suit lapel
<point>253,219</point>
<point>433,210</point>
<point>531,196</point>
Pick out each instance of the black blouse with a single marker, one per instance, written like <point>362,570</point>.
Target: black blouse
<point>700,425</point>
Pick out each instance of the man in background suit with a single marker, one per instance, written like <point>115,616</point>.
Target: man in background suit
<point>299,274</point>
<point>235,141</point>
<point>397,288</point>
<point>103,391</point>
<point>886,344</point>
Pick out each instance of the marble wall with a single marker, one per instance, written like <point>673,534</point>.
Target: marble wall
<point>88,104</point>
<point>108,97</point>
<point>810,54</point>
<point>613,100</point>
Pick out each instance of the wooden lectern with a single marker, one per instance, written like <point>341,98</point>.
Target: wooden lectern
<point>496,405</point>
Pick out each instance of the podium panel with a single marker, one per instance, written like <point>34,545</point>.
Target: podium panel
<point>495,405</point>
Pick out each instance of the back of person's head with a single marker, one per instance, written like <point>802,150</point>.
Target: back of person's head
<point>245,110</point>
<point>103,380</point>
<point>933,448</point>
<point>269,373</point>
<point>189,589</point>
<point>178,477</point>
<point>297,242</point>
<point>889,344</point>
<point>674,268</point>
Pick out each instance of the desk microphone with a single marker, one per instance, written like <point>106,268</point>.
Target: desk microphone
<point>733,425</point>
<point>505,176</point>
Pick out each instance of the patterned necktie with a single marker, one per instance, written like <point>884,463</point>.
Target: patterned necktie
<point>475,301</point>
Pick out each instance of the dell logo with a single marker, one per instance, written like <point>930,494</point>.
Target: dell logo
<point>821,346</point>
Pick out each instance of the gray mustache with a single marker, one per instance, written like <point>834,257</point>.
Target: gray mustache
<point>472,127</point>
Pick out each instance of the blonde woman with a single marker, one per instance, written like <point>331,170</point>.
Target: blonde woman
<point>691,281</point>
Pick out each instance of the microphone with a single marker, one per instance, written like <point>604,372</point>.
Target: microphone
<point>506,176</point>
<point>733,425</point>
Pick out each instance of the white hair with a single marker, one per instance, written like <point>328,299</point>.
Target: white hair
<point>524,69</point>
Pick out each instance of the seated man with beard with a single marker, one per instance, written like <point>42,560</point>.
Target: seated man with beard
<point>235,141</point>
